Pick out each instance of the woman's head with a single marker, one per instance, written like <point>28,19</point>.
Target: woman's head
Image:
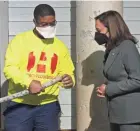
<point>112,27</point>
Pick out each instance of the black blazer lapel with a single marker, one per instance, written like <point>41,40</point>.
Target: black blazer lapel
<point>111,58</point>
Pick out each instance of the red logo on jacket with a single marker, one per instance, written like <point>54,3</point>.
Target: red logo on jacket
<point>41,68</point>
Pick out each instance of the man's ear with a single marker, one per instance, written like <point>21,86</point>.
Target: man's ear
<point>34,21</point>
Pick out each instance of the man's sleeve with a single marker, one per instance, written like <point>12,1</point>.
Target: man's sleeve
<point>66,65</point>
<point>12,64</point>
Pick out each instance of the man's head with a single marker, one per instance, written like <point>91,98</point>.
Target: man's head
<point>44,19</point>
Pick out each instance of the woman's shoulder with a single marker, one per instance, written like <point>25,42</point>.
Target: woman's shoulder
<point>127,46</point>
<point>125,43</point>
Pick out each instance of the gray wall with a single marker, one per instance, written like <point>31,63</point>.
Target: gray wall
<point>132,17</point>
<point>3,46</point>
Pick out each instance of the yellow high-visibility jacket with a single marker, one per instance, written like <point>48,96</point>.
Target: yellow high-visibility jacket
<point>31,58</point>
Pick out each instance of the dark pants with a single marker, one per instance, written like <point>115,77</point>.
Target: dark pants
<point>22,117</point>
<point>129,127</point>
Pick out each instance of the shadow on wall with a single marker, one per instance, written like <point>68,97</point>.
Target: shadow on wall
<point>4,92</point>
<point>73,55</point>
<point>92,69</point>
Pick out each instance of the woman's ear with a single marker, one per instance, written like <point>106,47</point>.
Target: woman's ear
<point>107,32</point>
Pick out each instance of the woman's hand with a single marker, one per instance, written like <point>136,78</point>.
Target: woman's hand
<point>101,90</point>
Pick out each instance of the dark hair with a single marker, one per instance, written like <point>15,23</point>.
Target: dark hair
<point>117,28</point>
<point>43,10</point>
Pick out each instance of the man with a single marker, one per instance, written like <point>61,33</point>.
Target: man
<point>33,58</point>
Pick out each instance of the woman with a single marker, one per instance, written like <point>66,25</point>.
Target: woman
<point>122,71</point>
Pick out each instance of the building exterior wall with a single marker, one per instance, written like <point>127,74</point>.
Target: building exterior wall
<point>131,15</point>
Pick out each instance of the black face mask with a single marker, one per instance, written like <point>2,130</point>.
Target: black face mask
<point>100,38</point>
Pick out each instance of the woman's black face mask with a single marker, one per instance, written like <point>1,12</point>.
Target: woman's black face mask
<point>100,38</point>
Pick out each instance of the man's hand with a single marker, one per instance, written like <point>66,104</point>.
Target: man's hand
<point>101,90</point>
<point>35,87</point>
<point>67,80</point>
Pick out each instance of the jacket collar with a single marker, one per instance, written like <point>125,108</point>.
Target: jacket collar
<point>111,58</point>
